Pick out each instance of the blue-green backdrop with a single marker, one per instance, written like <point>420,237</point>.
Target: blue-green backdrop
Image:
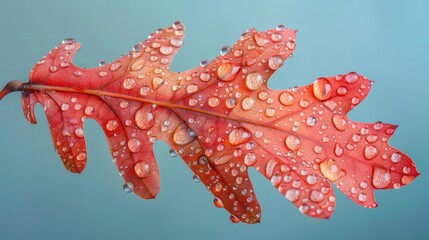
<point>385,40</point>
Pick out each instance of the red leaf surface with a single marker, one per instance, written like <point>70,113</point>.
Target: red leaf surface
<point>221,118</point>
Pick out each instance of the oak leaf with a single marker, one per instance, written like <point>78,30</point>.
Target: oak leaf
<point>221,118</point>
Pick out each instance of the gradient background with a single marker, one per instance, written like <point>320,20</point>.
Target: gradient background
<point>385,40</point>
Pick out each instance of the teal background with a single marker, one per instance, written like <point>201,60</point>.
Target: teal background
<point>385,40</point>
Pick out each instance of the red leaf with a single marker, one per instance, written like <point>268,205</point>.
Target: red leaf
<point>221,118</point>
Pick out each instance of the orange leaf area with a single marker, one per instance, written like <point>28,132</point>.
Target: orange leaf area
<point>221,119</point>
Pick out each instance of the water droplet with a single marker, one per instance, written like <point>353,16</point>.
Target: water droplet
<point>129,83</point>
<point>65,107</point>
<point>247,103</point>
<point>89,110</point>
<point>102,63</point>
<point>166,50</point>
<point>311,179</point>
<point>331,170</point>
<point>115,66</point>
<point>183,135</point>
<point>224,50</point>
<point>128,187</point>
<point>275,62</point>
<point>234,219</point>
<point>355,100</point>
<point>338,150</point>
<point>81,156</point>
<point>406,170</point>
<point>176,42</point>
<point>217,202</point>
<point>142,169</point>
<point>371,138</point>
<point>318,149</point>
<point>78,73</point>
<point>111,125</point>
<point>79,132</point>
<point>196,179</point>
<point>322,89</point>
<point>352,77</point>
<point>157,82</point>
<point>254,80</point>
<point>230,103</point>
<point>293,142</point>
<point>213,102</point>
<point>137,65</point>
<point>363,184</point>
<point>362,197</point>
<point>222,160</point>
<point>144,117</point>
<point>204,63</point>
<point>311,121</point>
<point>270,112</point>
<point>292,194</point>
<point>396,157</point>
<point>249,159</point>
<point>381,178</point>
<point>316,196</point>
<point>134,145</point>
<point>378,126</point>
<point>227,72</point>
<point>178,25</point>
<point>286,98</point>
<point>303,103</point>
<point>172,153</point>
<point>342,91</point>
<point>280,28</point>
<point>239,136</point>
<point>68,41</point>
<point>145,90</point>
<point>340,122</point>
<point>291,44</point>
<point>370,152</point>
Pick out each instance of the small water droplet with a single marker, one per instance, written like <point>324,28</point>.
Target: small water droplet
<point>115,66</point>
<point>128,187</point>
<point>406,170</point>
<point>362,197</point>
<point>213,102</point>
<point>144,118</point>
<point>178,25</point>
<point>204,63</point>
<point>378,126</point>
<point>293,142</point>
<point>322,89</point>
<point>234,219</point>
<point>222,160</point>
<point>224,50</point>
<point>65,107</point>
<point>280,28</point>
<point>68,41</point>
<point>102,63</point>
<point>254,80</point>
<point>111,125</point>
<point>249,159</point>
<point>316,196</point>
<point>218,202</point>
<point>311,121</point>
<point>352,77</point>
<point>81,156</point>
<point>79,132</point>
<point>227,71</point>
<point>166,50</point>
<point>172,153</point>
<point>342,91</point>
<point>311,179</point>
<point>291,44</point>
<point>338,150</point>
<point>196,179</point>
<point>53,68</point>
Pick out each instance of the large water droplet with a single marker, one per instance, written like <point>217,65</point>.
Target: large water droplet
<point>247,103</point>
<point>293,142</point>
<point>381,178</point>
<point>227,72</point>
<point>370,152</point>
<point>129,83</point>
<point>142,169</point>
<point>134,145</point>
<point>249,159</point>
<point>331,170</point>
<point>292,194</point>
<point>239,136</point>
<point>340,122</point>
<point>316,196</point>
<point>286,98</point>
<point>275,62</point>
<point>183,135</point>
<point>254,80</point>
<point>352,77</point>
<point>322,89</point>
<point>157,82</point>
<point>144,117</point>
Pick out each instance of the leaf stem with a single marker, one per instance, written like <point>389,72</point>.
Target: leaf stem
<point>12,86</point>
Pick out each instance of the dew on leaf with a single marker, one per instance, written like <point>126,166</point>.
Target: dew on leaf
<point>128,187</point>
<point>254,80</point>
<point>142,169</point>
<point>239,136</point>
<point>183,135</point>
<point>322,89</point>
<point>227,72</point>
<point>134,145</point>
